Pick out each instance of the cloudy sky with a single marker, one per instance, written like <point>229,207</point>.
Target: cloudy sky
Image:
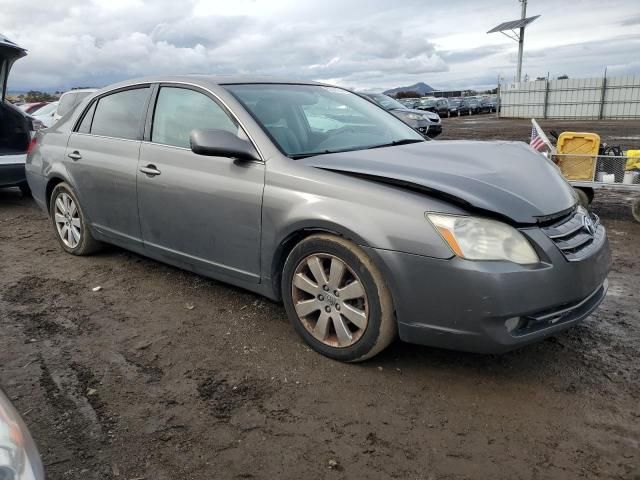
<point>364,44</point>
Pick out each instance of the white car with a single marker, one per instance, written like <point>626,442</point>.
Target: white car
<point>46,114</point>
<point>69,100</point>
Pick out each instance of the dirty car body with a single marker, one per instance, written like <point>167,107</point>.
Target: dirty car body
<point>402,200</point>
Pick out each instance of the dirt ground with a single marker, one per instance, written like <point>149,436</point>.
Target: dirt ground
<point>163,374</point>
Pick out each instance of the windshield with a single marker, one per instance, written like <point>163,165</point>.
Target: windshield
<point>305,120</point>
<point>385,102</point>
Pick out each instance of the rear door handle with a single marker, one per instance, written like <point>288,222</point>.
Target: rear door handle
<point>75,155</point>
<point>150,170</point>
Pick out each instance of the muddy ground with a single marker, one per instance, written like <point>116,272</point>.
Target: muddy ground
<point>163,374</point>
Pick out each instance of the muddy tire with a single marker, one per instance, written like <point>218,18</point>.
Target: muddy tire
<point>337,299</point>
<point>69,223</point>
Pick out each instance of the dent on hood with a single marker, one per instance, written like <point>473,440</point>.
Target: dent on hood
<point>503,179</point>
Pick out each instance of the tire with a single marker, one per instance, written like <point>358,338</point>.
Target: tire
<point>83,243</point>
<point>25,190</point>
<point>377,328</point>
<point>583,197</point>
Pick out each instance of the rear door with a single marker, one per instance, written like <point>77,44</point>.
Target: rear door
<point>203,211</point>
<point>102,157</point>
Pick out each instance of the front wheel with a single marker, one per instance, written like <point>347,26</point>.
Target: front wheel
<point>69,222</point>
<point>337,299</point>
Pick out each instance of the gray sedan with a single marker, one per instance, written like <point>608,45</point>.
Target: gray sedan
<point>311,195</point>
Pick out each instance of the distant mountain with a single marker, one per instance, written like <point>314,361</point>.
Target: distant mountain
<point>420,87</point>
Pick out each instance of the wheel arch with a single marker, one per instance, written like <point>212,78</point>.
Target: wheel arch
<point>293,237</point>
<point>51,184</point>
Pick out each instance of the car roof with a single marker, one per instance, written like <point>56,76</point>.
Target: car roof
<point>76,90</point>
<point>213,80</point>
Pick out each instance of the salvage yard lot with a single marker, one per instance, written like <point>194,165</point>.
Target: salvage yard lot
<point>163,374</point>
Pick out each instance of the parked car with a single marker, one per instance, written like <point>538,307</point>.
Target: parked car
<point>46,114</point>
<point>30,108</point>
<point>364,231</point>
<point>17,128</point>
<point>459,106</point>
<point>69,100</point>
<point>425,122</point>
<point>436,105</point>
<point>409,102</point>
<point>474,105</point>
<point>490,104</point>
<point>19,458</point>
<point>454,103</point>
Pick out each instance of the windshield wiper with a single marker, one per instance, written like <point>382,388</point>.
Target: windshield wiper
<point>402,141</point>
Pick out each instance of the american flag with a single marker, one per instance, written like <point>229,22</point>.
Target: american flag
<point>537,140</point>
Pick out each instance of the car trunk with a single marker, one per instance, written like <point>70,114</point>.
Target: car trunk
<point>15,127</point>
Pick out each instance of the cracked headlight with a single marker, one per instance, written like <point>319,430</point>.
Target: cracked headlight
<point>476,238</point>
<point>19,459</point>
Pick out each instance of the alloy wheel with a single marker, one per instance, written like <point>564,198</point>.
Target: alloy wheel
<point>67,219</point>
<point>330,300</point>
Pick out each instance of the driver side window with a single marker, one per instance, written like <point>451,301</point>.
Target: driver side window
<point>180,110</point>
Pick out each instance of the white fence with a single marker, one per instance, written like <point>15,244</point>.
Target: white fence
<point>585,98</point>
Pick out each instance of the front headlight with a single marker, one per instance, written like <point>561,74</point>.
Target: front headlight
<point>19,459</point>
<point>414,116</point>
<point>483,239</point>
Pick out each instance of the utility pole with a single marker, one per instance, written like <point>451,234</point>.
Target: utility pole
<point>515,31</point>
<point>523,16</point>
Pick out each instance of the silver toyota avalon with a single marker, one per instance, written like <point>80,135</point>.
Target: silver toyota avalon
<point>311,195</point>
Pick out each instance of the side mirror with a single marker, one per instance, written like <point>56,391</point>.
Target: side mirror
<point>221,143</point>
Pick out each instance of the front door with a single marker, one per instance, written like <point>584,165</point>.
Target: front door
<point>202,211</point>
<point>102,159</point>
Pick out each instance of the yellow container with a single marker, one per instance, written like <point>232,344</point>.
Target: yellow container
<point>634,160</point>
<point>577,143</point>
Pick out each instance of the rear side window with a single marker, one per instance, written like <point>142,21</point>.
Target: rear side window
<point>67,102</point>
<point>179,110</point>
<point>119,114</point>
<point>85,125</point>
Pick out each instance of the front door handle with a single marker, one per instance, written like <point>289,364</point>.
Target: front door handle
<point>75,155</point>
<point>150,170</point>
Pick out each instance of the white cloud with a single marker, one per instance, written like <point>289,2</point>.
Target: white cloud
<point>358,43</point>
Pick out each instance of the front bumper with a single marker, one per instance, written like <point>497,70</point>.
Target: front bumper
<point>493,307</point>
<point>12,175</point>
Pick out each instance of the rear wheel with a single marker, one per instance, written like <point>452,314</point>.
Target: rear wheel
<point>69,222</point>
<point>337,299</point>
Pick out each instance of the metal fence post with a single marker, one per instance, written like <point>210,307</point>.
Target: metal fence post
<point>604,90</point>
<point>499,103</point>
<point>546,98</point>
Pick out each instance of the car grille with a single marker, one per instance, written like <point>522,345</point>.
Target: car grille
<point>576,236</point>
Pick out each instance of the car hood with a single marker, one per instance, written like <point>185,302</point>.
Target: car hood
<point>506,178</point>
<point>9,53</point>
